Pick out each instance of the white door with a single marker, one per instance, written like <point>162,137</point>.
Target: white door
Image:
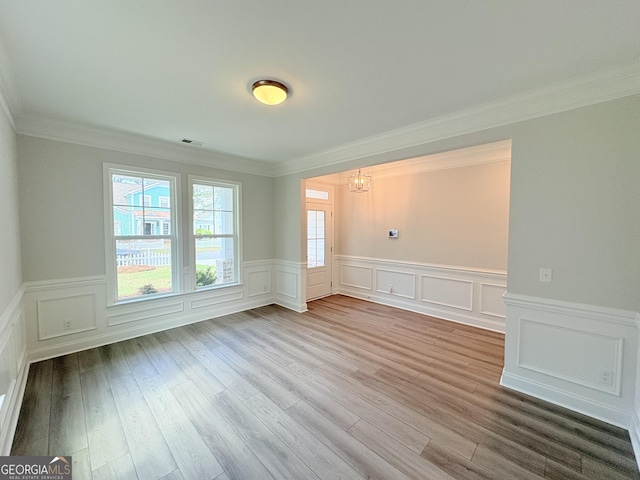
<point>319,250</point>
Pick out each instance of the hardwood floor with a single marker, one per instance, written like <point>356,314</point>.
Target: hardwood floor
<point>348,390</point>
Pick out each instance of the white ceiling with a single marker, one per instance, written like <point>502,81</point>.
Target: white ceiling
<point>356,69</point>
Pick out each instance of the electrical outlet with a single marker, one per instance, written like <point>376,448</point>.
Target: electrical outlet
<point>67,324</point>
<point>390,288</point>
<point>605,376</point>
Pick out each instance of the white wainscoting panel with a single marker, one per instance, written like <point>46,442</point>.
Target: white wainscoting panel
<point>491,302</point>
<point>452,293</point>
<point>398,283</point>
<point>356,276</point>
<point>542,345</point>
<point>582,357</point>
<point>448,292</point>
<point>290,284</point>
<point>144,311</point>
<point>259,282</point>
<point>66,315</point>
<point>13,368</point>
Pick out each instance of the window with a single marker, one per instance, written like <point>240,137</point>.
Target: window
<point>315,238</point>
<point>142,248</point>
<point>317,194</point>
<point>215,232</point>
<point>164,202</point>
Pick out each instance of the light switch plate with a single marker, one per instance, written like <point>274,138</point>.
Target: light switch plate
<point>546,275</point>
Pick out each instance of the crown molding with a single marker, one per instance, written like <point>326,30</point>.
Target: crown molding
<point>10,101</point>
<point>64,131</point>
<point>567,95</point>
<point>602,86</point>
<point>464,157</point>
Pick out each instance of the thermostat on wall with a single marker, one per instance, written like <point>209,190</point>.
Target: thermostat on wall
<point>393,233</point>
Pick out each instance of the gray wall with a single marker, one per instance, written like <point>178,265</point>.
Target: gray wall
<point>61,204</point>
<point>10,273</point>
<point>575,205</point>
<point>574,202</point>
<point>457,217</point>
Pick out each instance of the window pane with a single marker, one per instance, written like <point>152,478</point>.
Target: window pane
<point>223,198</point>
<point>319,194</point>
<point>143,268</point>
<point>202,197</point>
<point>214,261</point>
<point>223,223</point>
<point>315,238</point>
<point>203,223</point>
<point>125,219</point>
<point>126,190</point>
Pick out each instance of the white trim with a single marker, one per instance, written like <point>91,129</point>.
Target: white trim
<point>600,313</point>
<point>462,157</point>
<point>10,100</point>
<point>483,272</point>
<point>634,434</point>
<point>69,132</point>
<point>467,310</point>
<point>13,339</point>
<point>615,386</point>
<point>569,376</point>
<point>468,307</point>
<point>582,91</point>
<point>577,403</point>
<point>502,287</point>
<point>42,285</point>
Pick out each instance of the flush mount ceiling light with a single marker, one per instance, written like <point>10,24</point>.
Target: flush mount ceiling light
<point>359,182</point>
<point>270,92</point>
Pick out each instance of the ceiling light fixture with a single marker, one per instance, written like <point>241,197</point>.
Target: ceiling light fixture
<point>270,92</point>
<point>359,182</point>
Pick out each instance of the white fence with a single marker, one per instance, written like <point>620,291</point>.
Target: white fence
<point>145,257</point>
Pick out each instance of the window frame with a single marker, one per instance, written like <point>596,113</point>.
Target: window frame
<point>237,236</point>
<point>175,207</point>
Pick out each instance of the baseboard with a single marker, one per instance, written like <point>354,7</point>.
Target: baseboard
<point>634,434</point>
<point>424,310</point>
<point>565,399</point>
<point>108,337</point>
<point>13,413</point>
<point>559,351</point>
<point>464,295</point>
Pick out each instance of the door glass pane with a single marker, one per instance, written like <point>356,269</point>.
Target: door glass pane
<point>315,238</point>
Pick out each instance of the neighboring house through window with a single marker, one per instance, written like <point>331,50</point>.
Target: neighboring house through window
<point>141,248</point>
<point>145,237</point>
<point>215,231</point>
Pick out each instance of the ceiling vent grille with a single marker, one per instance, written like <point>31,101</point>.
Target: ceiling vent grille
<point>195,143</point>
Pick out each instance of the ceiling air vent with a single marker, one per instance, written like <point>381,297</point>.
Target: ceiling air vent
<point>192,142</point>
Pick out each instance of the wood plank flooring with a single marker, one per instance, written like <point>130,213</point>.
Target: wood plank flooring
<point>348,390</point>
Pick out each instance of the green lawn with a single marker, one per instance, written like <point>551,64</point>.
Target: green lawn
<point>129,284</point>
